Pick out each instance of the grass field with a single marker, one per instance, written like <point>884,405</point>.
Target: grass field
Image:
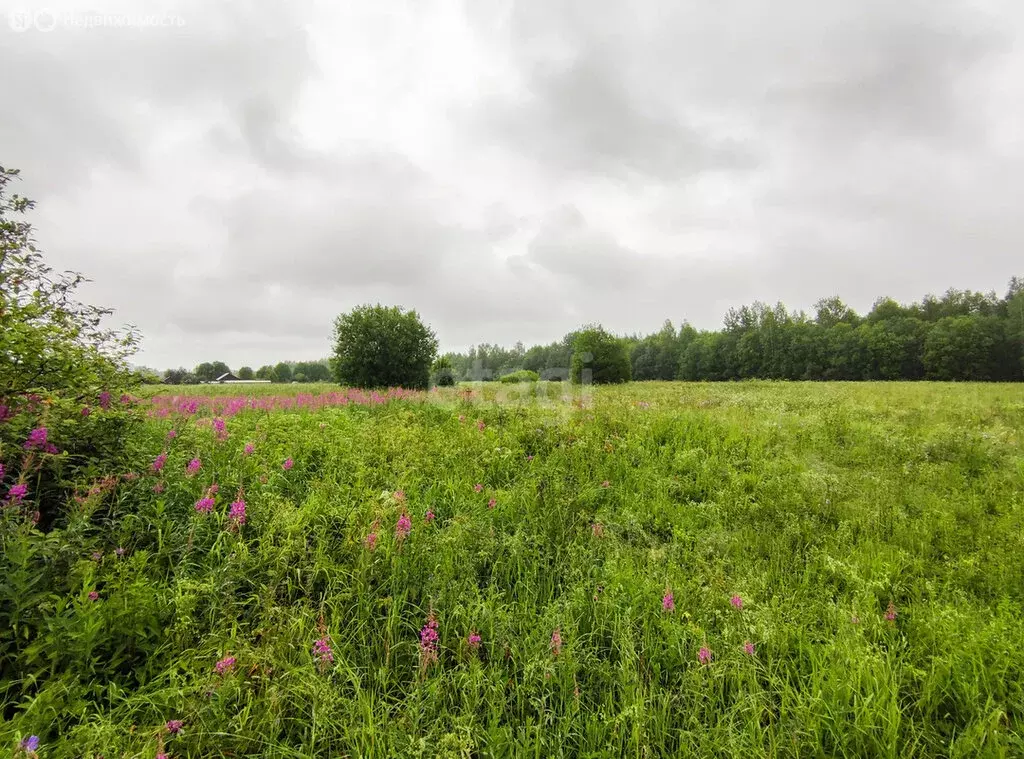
<point>652,570</point>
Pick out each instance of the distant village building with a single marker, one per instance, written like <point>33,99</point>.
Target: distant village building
<point>227,377</point>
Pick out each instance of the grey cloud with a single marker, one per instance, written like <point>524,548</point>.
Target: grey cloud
<point>513,169</point>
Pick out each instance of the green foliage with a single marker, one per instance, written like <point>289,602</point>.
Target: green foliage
<point>265,373</point>
<point>246,373</point>
<point>599,358</point>
<point>442,371</point>
<point>379,346</point>
<point>62,373</point>
<point>523,375</point>
<point>282,372</point>
<point>818,505</point>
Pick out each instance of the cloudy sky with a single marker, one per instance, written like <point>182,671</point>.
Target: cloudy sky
<point>233,175</point>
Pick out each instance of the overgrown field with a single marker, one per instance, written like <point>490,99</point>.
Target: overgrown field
<point>654,570</point>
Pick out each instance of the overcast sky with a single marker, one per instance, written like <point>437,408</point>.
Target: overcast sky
<point>238,174</point>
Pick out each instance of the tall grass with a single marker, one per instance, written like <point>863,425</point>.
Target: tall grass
<point>824,508</point>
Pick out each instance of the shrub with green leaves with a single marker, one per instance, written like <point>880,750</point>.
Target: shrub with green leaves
<point>523,375</point>
<point>599,358</point>
<point>380,346</point>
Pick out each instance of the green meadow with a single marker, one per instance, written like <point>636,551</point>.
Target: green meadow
<point>649,570</point>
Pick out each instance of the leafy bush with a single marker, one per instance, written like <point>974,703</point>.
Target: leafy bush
<point>380,346</point>
<point>523,375</point>
<point>599,358</point>
<point>444,374</point>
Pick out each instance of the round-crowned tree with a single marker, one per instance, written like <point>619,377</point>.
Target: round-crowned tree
<point>599,358</point>
<point>382,346</point>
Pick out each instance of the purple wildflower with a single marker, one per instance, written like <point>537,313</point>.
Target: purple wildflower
<point>86,411</point>
<point>704,655</point>
<point>237,513</point>
<point>474,640</point>
<point>428,641</point>
<point>174,726</point>
<point>249,448</point>
<point>429,517</point>
<point>556,642</point>
<point>97,556</point>
<point>288,464</point>
<point>159,461</point>
<point>224,665</point>
<point>94,596</point>
<point>104,400</point>
<point>205,505</point>
<point>737,602</point>
<point>322,652</point>
<point>17,492</point>
<point>492,503</point>
<point>193,466</point>
<point>37,439</point>
<point>403,527</point>
<point>668,601</point>
<point>371,541</point>
<point>748,648</point>
<point>30,744</point>
<point>119,551</point>
<point>480,425</point>
<point>890,612</point>
<point>171,434</point>
<point>478,487</point>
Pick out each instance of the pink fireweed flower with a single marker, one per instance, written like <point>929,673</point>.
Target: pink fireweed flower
<point>399,496</point>
<point>429,517</point>
<point>748,648</point>
<point>704,655</point>
<point>37,439</point>
<point>119,551</point>
<point>158,488</point>
<point>237,513</point>
<point>94,596</point>
<point>86,411</point>
<point>97,556</point>
<point>529,457</point>
<point>890,612</point>
<point>249,448</point>
<point>104,399</point>
<point>371,541</point>
<point>474,640</point>
<point>668,601</point>
<point>174,726</point>
<point>478,487</point>
<point>158,462</point>
<point>492,503</point>
<point>171,434</point>
<point>162,755</point>
<point>17,493</point>
<point>737,602</point>
<point>428,641</point>
<point>224,665</point>
<point>193,466</point>
<point>288,464</point>
<point>205,505</point>
<point>1,471</point>
<point>480,425</point>
<point>462,418</point>
<point>556,642</point>
<point>403,527</point>
<point>322,652</point>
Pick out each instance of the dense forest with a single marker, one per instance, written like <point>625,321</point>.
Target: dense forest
<point>962,335</point>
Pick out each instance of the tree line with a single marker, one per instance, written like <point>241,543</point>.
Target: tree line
<point>962,335</point>
<point>285,371</point>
